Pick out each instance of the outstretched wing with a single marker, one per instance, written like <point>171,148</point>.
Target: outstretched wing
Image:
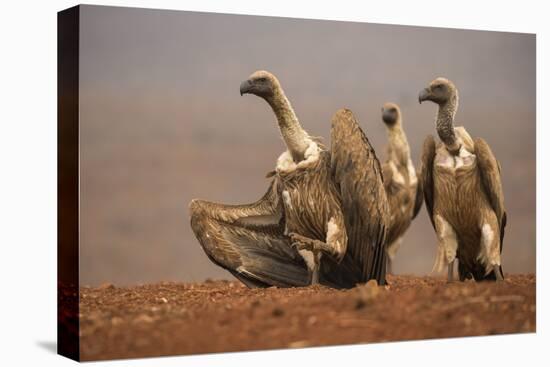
<point>426,175</point>
<point>419,196</point>
<point>249,240</point>
<point>358,176</point>
<point>489,171</point>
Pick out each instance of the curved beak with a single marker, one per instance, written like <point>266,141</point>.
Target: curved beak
<point>246,86</point>
<point>423,95</point>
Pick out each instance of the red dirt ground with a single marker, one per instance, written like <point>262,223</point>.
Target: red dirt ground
<point>222,316</point>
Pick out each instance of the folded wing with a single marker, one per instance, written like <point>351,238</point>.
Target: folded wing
<point>426,175</point>
<point>419,196</point>
<point>489,171</point>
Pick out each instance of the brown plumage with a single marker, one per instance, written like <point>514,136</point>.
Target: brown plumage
<point>400,180</point>
<point>321,204</point>
<point>358,175</point>
<point>463,192</point>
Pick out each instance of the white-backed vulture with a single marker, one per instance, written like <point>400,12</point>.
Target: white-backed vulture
<point>321,204</point>
<point>400,180</point>
<point>463,192</point>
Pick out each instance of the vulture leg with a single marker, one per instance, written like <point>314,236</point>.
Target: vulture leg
<point>490,245</point>
<point>249,242</point>
<point>450,271</point>
<point>304,243</point>
<point>312,250</point>
<point>463,272</point>
<point>447,246</point>
<point>391,252</point>
<point>389,266</point>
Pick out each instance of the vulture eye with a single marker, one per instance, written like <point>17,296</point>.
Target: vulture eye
<point>438,87</point>
<point>262,80</point>
<point>393,110</point>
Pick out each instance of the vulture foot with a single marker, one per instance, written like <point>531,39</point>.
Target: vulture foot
<point>389,266</point>
<point>300,242</point>
<point>311,250</point>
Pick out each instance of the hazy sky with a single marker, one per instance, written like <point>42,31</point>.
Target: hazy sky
<point>162,122</point>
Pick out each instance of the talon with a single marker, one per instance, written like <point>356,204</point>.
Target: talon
<point>295,237</point>
<point>498,274</point>
<point>298,245</point>
<point>301,243</point>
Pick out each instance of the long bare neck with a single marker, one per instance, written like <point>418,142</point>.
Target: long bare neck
<point>445,124</point>
<point>398,147</point>
<point>295,137</point>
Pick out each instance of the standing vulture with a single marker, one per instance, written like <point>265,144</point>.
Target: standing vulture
<point>400,180</point>
<point>320,204</point>
<point>463,192</point>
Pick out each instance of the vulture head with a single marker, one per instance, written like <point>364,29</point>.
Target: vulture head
<point>261,83</point>
<point>390,114</point>
<point>439,91</point>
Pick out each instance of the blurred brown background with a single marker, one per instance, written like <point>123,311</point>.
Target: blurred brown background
<point>162,122</point>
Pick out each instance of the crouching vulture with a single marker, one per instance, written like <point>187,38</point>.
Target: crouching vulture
<point>400,180</point>
<point>323,218</point>
<point>463,192</point>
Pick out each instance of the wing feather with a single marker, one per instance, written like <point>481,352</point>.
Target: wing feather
<point>489,171</point>
<point>426,175</point>
<point>358,176</point>
<point>419,197</point>
<point>249,240</point>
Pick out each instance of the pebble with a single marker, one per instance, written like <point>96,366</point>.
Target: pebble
<point>116,321</point>
<point>299,344</point>
<point>143,319</point>
<point>277,312</point>
<point>367,293</point>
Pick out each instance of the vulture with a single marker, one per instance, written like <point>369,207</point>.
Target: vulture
<point>323,219</point>
<point>463,192</point>
<point>400,180</point>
